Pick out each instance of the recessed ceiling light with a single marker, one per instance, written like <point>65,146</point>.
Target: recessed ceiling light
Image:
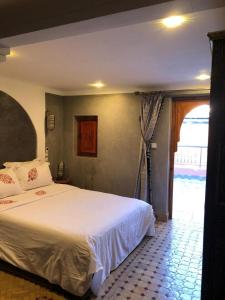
<point>173,21</point>
<point>98,84</point>
<point>12,53</point>
<point>203,77</point>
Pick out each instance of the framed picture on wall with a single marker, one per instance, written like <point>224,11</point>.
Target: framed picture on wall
<point>87,129</point>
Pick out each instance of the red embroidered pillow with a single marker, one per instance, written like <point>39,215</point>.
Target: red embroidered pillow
<point>40,193</point>
<point>9,184</point>
<point>5,202</point>
<point>32,174</point>
<point>31,177</point>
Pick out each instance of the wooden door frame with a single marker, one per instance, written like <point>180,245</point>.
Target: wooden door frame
<point>176,123</point>
<point>213,271</point>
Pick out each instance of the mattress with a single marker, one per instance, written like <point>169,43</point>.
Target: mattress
<point>70,236</point>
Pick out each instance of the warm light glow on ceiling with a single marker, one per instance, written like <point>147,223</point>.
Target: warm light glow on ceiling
<point>12,53</point>
<point>203,77</point>
<point>98,84</point>
<point>173,21</point>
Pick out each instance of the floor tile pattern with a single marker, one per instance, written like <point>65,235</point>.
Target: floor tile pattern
<point>166,267</point>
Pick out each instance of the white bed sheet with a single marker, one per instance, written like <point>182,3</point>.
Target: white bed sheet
<point>68,234</point>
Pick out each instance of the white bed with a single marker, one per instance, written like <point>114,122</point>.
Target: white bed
<point>70,236</point>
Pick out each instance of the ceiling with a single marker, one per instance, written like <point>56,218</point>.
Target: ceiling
<point>141,56</point>
<point>22,16</point>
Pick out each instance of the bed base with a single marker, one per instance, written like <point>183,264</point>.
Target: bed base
<point>10,269</point>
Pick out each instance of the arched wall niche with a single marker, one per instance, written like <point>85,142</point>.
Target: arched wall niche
<point>18,140</point>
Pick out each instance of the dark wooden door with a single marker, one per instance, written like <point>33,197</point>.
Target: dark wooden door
<point>213,279</point>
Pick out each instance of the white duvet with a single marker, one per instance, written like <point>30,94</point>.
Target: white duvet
<point>67,235</point>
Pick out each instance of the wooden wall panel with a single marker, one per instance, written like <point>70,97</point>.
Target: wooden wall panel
<point>87,135</point>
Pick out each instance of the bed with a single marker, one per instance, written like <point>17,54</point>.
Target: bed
<point>70,236</point>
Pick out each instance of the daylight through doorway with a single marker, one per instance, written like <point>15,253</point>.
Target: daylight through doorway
<point>190,167</point>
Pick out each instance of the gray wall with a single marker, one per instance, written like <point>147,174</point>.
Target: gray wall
<point>54,138</point>
<point>114,169</point>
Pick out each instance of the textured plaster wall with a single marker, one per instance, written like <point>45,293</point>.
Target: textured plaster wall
<point>115,168</point>
<point>54,138</point>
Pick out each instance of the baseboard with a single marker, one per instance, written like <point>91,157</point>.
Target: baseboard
<point>162,217</point>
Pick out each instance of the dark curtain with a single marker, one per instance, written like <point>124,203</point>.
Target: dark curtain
<point>151,104</point>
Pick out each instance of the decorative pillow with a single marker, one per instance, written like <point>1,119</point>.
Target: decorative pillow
<point>9,184</point>
<point>31,176</point>
<point>17,164</point>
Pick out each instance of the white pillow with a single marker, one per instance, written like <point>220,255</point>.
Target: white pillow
<point>9,184</point>
<point>16,164</point>
<point>31,176</point>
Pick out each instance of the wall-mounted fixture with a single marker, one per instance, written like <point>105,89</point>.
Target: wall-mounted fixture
<point>60,170</point>
<point>46,154</point>
<point>3,53</point>
<point>50,121</point>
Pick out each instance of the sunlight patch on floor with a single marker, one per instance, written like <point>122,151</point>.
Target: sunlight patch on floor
<point>189,199</point>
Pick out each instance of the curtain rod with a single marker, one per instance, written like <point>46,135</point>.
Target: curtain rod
<point>180,93</point>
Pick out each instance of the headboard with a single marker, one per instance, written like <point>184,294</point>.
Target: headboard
<point>18,141</point>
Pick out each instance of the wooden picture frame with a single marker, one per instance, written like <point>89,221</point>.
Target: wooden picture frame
<point>87,130</point>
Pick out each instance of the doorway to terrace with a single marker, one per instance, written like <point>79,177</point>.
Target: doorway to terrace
<point>190,166</point>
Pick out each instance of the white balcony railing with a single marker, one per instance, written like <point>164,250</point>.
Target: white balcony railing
<point>191,156</point>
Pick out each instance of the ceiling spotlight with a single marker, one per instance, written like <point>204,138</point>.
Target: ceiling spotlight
<point>98,84</point>
<point>173,21</point>
<point>3,53</point>
<point>203,77</point>
<point>12,53</point>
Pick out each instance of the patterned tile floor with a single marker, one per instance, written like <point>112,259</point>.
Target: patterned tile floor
<point>167,266</point>
<point>189,200</point>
